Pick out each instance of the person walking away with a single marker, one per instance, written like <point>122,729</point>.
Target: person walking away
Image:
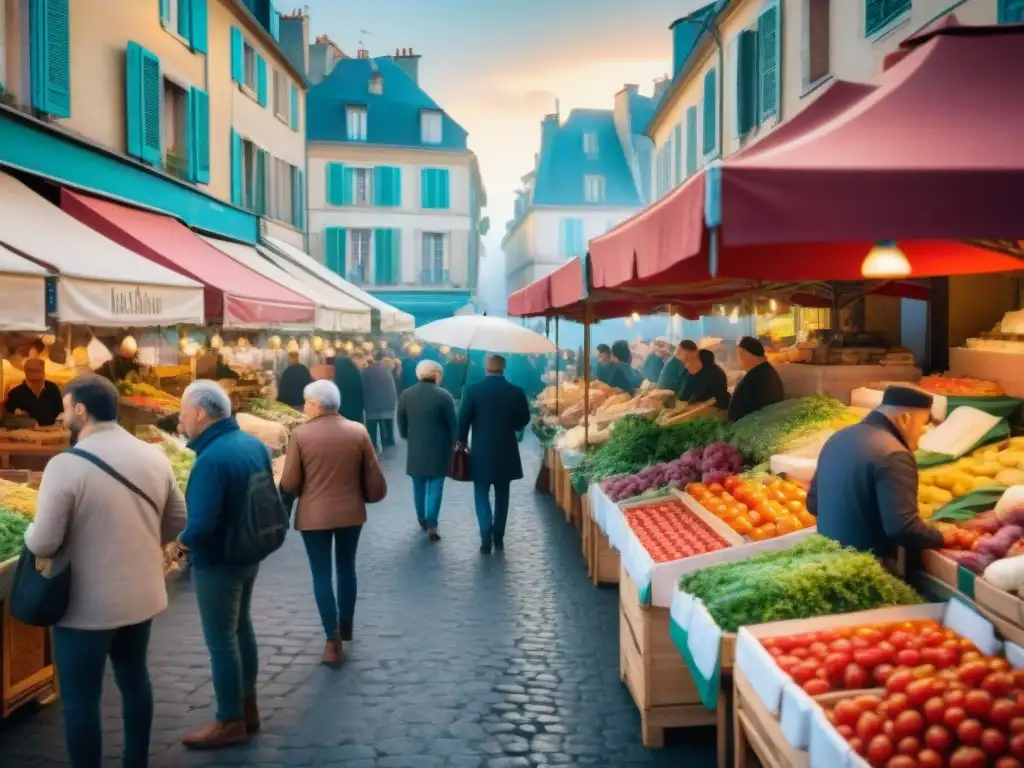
<point>349,381</point>
<point>761,384</point>
<point>707,381</point>
<point>293,381</point>
<point>494,411</point>
<point>427,421</point>
<point>332,468</point>
<point>114,537</point>
<point>674,375</point>
<point>227,461</point>
<point>379,401</point>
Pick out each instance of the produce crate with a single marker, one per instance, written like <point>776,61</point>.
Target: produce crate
<point>605,563</point>
<point>586,532</point>
<point>653,671</point>
<point>552,465</point>
<point>27,672</point>
<point>757,733</point>
<point>981,593</point>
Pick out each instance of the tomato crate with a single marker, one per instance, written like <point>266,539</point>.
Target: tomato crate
<point>982,593</point>
<point>605,563</point>
<point>757,733</point>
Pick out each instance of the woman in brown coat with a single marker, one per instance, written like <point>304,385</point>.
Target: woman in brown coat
<point>333,470</point>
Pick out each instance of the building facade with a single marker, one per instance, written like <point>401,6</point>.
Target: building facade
<point>395,194</point>
<point>592,172</point>
<point>184,106</point>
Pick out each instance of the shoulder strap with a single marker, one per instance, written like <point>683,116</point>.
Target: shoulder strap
<point>93,459</point>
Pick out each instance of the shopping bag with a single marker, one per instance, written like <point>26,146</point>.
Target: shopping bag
<point>459,467</point>
<point>36,599</point>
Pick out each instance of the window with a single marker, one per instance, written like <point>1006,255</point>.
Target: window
<point>355,122</point>
<point>770,53</point>
<point>361,186</point>
<point>249,66</point>
<point>878,14</point>
<point>590,144</point>
<point>745,114</point>
<point>433,259</point>
<point>249,153</point>
<point>710,142</point>
<point>175,128</point>
<point>1010,12</point>
<point>593,189</point>
<point>359,254</point>
<point>430,127</point>
<point>282,199</point>
<point>572,238</point>
<point>376,84</point>
<point>817,31</point>
<point>282,97</point>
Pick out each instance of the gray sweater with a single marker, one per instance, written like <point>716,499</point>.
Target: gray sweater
<point>112,538</point>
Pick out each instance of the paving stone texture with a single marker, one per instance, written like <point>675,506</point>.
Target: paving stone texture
<point>460,660</point>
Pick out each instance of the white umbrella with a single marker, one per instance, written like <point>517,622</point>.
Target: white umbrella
<point>489,334</point>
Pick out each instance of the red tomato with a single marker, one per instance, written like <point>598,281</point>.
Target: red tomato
<point>933,710</point>
<point>857,745</point>
<point>967,757</point>
<point>908,723</point>
<point>978,704</point>
<point>846,712</point>
<point>946,658</point>
<point>908,745</point>
<point>803,671</point>
<point>1017,745</point>
<point>954,716</point>
<point>854,677</point>
<point>845,731</point>
<point>880,749</point>
<point>929,758</point>
<point>869,724</point>
<point>955,697</point>
<point>800,652</point>
<point>899,639</point>
<point>972,673</point>
<point>881,673</point>
<point>969,732</point>
<point>998,684</point>
<point>816,686</point>
<point>896,704</point>
<point>868,657</point>
<point>842,645</point>
<point>870,634</point>
<point>901,761</point>
<point>938,739</point>
<point>836,662</point>
<point>1001,714</point>
<point>1007,762</point>
<point>899,680</point>
<point>993,742</point>
<point>908,657</point>
<point>919,691</point>
<point>818,649</point>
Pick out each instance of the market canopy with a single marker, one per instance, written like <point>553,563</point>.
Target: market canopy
<point>23,286</point>
<point>100,283</point>
<point>335,312</point>
<point>234,295</point>
<point>290,258</point>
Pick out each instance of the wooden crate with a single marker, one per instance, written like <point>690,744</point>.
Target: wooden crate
<point>757,734</point>
<point>587,530</point>
<point>605,563</point>
<point>654,671</point>
<point>26,664</point>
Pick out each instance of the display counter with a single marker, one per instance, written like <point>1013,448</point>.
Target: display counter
<point>801,380</point>
<point>1004,368</point>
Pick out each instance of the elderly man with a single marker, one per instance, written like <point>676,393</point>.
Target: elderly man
<point>761,384</point>
<point>226,462</point>
<point>655,362</point>
<point>36,397</point>
<point>426,419</point>
<point>864,492</point>
<point>494,411</point>
<point>674,374</point>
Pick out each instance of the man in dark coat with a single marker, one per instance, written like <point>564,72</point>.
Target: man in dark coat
<point>293,382</point>
<point>380,398</point>
<point>494,410</point>
<point>600,367</point>
<point>349,381</point>
<point>621,374</point>
<point>655,362</point>
<point>674,374</point>
<point>426,419</point>
<point>760,386</point>
<point>864,493</point>
<point>707,380</point>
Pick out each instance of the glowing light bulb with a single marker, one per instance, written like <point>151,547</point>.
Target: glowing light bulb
<point>885,261</point>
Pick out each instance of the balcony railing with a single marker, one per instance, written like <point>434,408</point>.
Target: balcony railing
<point>434,277</point>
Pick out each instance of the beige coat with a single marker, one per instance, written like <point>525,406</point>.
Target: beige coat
<point>332,467</point>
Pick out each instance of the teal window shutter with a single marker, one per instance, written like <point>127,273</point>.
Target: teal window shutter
<point>746,81</point>
<point>443,189</point>
<point>142,109</point>
<point>395,263</point>
<point>581,244</point>
<point>334,250</point>
<point>335,183</point>
<point>381,185</point>
<point>427,199</point>
<point>275,23</point>
<point>237,188</point>
<point>294,113</point>
<point>396,187</point>
<point>299,201</point>
<point>691,140</point>
<point>165,12</point>
<point>198,30</point>
<point>262,161</point>
<point>769,51</point>
<point>261,80</point>
<point>710,111</point>
<point>347,184</point>
<point>237,56</point>
<point>185,19</point>
<point>382,256</point>
<point>199,148</point>
<point>1011,11</point>
<point>50,57</point>
<point>879,13</point>
<point>677,147</point>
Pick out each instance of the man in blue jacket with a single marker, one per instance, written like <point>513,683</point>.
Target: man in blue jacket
<point>226,459</point>
<point>494,411</point>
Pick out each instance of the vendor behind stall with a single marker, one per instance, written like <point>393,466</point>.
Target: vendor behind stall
<point>761,384</point>
<point>707,381</point>
<point>123,363</point>
<point>294,379</point>
<point>621,374</point>
<point>674,374</point>
<point>36,397</point>
<point>654,364</point>
<point>864,492</point>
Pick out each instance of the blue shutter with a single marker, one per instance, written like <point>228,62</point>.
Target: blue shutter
<point>334,249</point>
<point>185,18</point>
<point>381,185</point>
<point>396,187</point>
<point>237,56</point>
<point>198,31</point>
<point>443,189</point>
<point>382,256</point>
<point>677,147</point>
<point>260,197</point>
<point>427,188</point>
<point>50,55</point>
<point>1011,11</point>
<point>299,201</point>
<point>165,12</point>
<point>199,136</point>
<point>142,108</point>
<point>237,187</point>
<point>261,80</point>
<point>294,113</point>
<point>346,186</point>
<point>691,140</point>
<point>395,263</point>
<point>768,46</point>
<point>746,81</point>
<point>275,23</point>
<point>335,183</point>
<point>710,111</point>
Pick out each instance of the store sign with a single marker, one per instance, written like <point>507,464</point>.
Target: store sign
<point>96,302</point>
<point>135,302</point>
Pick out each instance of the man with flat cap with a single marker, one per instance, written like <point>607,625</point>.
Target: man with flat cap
<point>864,493</point>
<point>761,384</point>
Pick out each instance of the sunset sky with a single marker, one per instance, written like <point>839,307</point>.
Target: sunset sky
<point>497,68</point>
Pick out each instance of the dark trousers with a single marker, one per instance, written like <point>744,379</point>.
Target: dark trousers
<point>81,657</point>
<point>385,428</point>
<point>491,522</point>
<point>340,607</point>
<point>224,595</point>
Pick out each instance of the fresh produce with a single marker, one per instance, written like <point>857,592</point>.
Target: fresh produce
<point>18,498</point>
<point>1007,574</point>
<point>760,509</point>
<point>12,531</point>
<point>816,577</point>
<point>964,387</point>
<point>717,460</point>
<point>767,432</point>
<point>669,531</point>
<point>545,432</point>
<point>147,397</point>
<point>272,410</point>
<point>991,466</point>
<point>181,458</point>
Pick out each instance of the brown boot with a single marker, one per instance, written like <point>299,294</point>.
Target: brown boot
<point>217,735</point>
<point>345,631</point>
<point>252,715</point>
<point>332,652</point>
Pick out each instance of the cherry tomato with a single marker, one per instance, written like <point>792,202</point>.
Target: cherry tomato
<point>994,742</point>
<point>969,732</point>
<point>880,749</point>
<point>938,738</point>
<point>908,723</point>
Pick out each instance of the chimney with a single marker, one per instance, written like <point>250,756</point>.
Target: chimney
<point>549,130</point>
<point>685,33</point>
<point>294,34</point>
<point>362,53</point>
<point>408,62</point>
<point>660,86</point>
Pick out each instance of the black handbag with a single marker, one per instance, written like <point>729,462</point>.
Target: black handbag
<point>459,466</point>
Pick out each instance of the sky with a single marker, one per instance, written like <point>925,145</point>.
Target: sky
<point>498,67</point>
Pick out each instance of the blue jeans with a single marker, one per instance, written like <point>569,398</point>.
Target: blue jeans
<point>386,429</point>
<point>318,548</point>
<point>224,594</point>
<point>81,657</point>
<point>426,495</point>
<point>492,524</point>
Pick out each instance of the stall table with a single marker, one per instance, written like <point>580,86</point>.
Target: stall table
<point>801,380</point>
<point>27,672</point>
<point>757,733</point>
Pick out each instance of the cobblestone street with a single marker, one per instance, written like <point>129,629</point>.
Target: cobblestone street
<point>459,659</point>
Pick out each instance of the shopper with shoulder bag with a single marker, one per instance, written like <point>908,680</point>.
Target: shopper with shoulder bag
<point>106,509</point>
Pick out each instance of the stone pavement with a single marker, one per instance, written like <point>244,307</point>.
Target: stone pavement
<point>459,659</point>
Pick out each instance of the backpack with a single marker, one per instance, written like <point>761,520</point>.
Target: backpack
<point>261,525</point>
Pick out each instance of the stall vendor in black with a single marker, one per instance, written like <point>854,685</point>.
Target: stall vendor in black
<point>36,396</point>
<point>707,380</point>
<point>760,386</point>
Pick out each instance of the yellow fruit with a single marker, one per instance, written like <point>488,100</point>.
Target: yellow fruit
<point>968,464</point>
<point>1009,458</point>
<point>985,482</point>
<point>960,489</point>
<point>988,469</point>
<point>944,479</point>
<point>925,511</point>
<point>927,477</point>
<point>939,496</point>
<point>990,455</point>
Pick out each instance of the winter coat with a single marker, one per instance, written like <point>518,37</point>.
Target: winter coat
<point>493,410</point>
<point>380,396</point>
<point>426,419</point>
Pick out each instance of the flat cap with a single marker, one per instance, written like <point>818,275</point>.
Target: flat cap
<point>907,397</point>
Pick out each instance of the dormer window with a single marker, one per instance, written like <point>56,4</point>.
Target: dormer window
<point>376,84</point>
<point>593,188</point>
<point>430,126</point>
<point>590,144</point>
<point>355,123</point>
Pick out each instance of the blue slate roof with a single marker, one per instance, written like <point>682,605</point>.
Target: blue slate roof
<point>563,164</point>
<point>641,110</point>
<point>392,118</point>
